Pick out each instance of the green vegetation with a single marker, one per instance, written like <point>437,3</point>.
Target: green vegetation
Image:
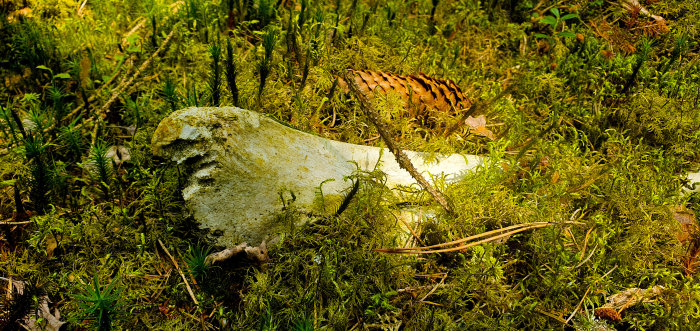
<point>599,122</point>
<point>98,304</point>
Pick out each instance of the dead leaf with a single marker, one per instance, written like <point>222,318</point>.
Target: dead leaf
<point>44,320</point>
<point>477,126</point>
<point>688,222</point>
<point>618,302</point>
<point>118,153</point>
<point>20,14</point>
<point>555,177</point>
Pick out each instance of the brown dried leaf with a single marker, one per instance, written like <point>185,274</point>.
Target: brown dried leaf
<point>618,302</point>
<point>609,314</point>
<point>688,222</point>
<point>118,153</point>
<point>20,14</point>
<point>633,296</point>
<point>44,320</point>
<point>477,126</point>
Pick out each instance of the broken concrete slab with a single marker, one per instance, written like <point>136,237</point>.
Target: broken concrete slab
<point>241,164</point>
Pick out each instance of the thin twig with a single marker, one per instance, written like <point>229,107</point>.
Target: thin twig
<point>384,131</point>
<point>585,241</point>
<point>555,317</point>
<point>588,258</point>
<point>435,287</point>
<point>16,223</point>
<point>140,22</point>
<point>421,288</point>
<point>415,235</point>
<point>609,272</point>
<point>172,259</point>
<point>578,306</point>
<point>459,248</point>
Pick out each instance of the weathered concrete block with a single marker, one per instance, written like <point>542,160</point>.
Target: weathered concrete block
<point>240,161</point>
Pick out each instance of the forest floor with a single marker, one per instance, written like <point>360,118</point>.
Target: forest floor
<point>591,123</point>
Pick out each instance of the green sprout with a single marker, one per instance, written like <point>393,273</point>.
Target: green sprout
<point>196,261</point>
<point>99,304</point>
<point>555,22</point>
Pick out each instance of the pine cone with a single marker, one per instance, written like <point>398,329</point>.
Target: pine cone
<point>424,95</point>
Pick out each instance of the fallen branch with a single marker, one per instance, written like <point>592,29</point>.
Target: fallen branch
<point>384,131</point>
<point>119,90</point>
<point>177,267</point>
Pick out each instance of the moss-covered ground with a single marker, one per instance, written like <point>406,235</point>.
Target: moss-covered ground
<point>594,104</point>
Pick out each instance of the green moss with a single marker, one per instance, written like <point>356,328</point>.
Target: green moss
<point>599,129</point>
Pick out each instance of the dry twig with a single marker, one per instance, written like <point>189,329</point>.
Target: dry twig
<point>172,259</point>
<point>386,135</point>
<point>15,223</point>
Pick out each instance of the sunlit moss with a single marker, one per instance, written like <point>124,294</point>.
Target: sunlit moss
<point>597,127</point>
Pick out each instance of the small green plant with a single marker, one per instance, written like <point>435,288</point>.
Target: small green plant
<point>231,72</point>
<point>380,301</point>
<point>169,93</point>
<point>642,56</point>
<point>30,44</point>
<point>196,261</point>
<point>99,304</point>
<point>154,26</point>
<point>305,324</point>
<point>266,323</point>
<point>305,72</point>
<point>100,166</point>
<point>35,150</point>
<point>72,139</point>
<point>7,127</point>
<point>265,64</point>
<point>215,75</point>
<point>193,11</point>
<point>303,13</point>
<point>555,22</point>
<point>265,13</point>
<point>192,97</point>
<point>679,48</point>
<point>133,112</point>
<point>59,108</point>
<point>37,120</point>
<point>56,94</point>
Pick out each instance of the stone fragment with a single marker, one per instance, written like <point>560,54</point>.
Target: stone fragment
<point>241,165</point>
